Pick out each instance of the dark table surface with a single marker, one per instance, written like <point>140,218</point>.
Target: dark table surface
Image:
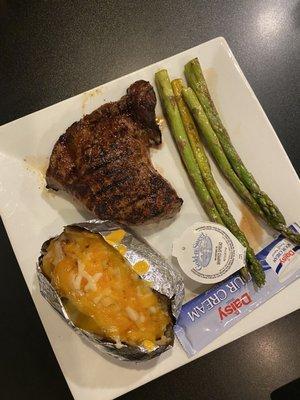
<point>51,50</point>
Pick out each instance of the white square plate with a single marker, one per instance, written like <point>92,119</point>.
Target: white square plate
<point>31,215</point>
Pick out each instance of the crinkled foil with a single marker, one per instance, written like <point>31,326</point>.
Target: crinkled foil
<point>165,280</point>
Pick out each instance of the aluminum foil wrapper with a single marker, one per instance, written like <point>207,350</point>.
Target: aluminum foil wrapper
<point>164,280</point>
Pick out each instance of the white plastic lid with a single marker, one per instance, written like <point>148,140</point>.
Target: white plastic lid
<point>208,252</point>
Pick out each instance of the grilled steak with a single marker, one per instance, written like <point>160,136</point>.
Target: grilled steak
<point>103,161</point>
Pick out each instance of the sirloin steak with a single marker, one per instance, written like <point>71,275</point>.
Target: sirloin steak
<point>103,161</point>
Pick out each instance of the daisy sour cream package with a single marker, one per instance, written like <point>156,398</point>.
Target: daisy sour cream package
<point>213,312</point>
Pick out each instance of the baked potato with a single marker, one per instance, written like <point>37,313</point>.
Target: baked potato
<point>104,296</point>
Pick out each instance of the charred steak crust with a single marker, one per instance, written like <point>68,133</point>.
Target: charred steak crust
<point>103,161</point>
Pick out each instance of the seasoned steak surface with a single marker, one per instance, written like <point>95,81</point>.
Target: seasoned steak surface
<point>103,161</point>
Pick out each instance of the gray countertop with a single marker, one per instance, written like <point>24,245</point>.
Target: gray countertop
<point>51,50</point>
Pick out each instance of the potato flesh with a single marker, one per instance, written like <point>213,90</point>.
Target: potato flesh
<point>110,297</point>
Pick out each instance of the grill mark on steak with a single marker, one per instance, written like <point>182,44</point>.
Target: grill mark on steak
<point>103,161</point>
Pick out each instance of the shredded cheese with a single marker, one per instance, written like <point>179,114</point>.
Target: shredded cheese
<point>109,296</point>
<point>91,279</point>
<point>59,254</point>
<point>132,314</point>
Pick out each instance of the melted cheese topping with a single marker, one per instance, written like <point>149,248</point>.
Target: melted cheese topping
<point>104,295</point>
<point>114,239</point>
<point>141,267</point>
<point>115,236</point>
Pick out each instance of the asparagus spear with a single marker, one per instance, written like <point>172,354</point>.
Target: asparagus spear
<point>272,214</point>
<point>216,148</point>
<point>168,101</point>
<point>228,220</point>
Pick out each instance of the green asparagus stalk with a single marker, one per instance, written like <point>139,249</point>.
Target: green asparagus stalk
<point>216,148</point>
<point>272,214</point>
<point>228,220</point>
<point>169,104</point>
